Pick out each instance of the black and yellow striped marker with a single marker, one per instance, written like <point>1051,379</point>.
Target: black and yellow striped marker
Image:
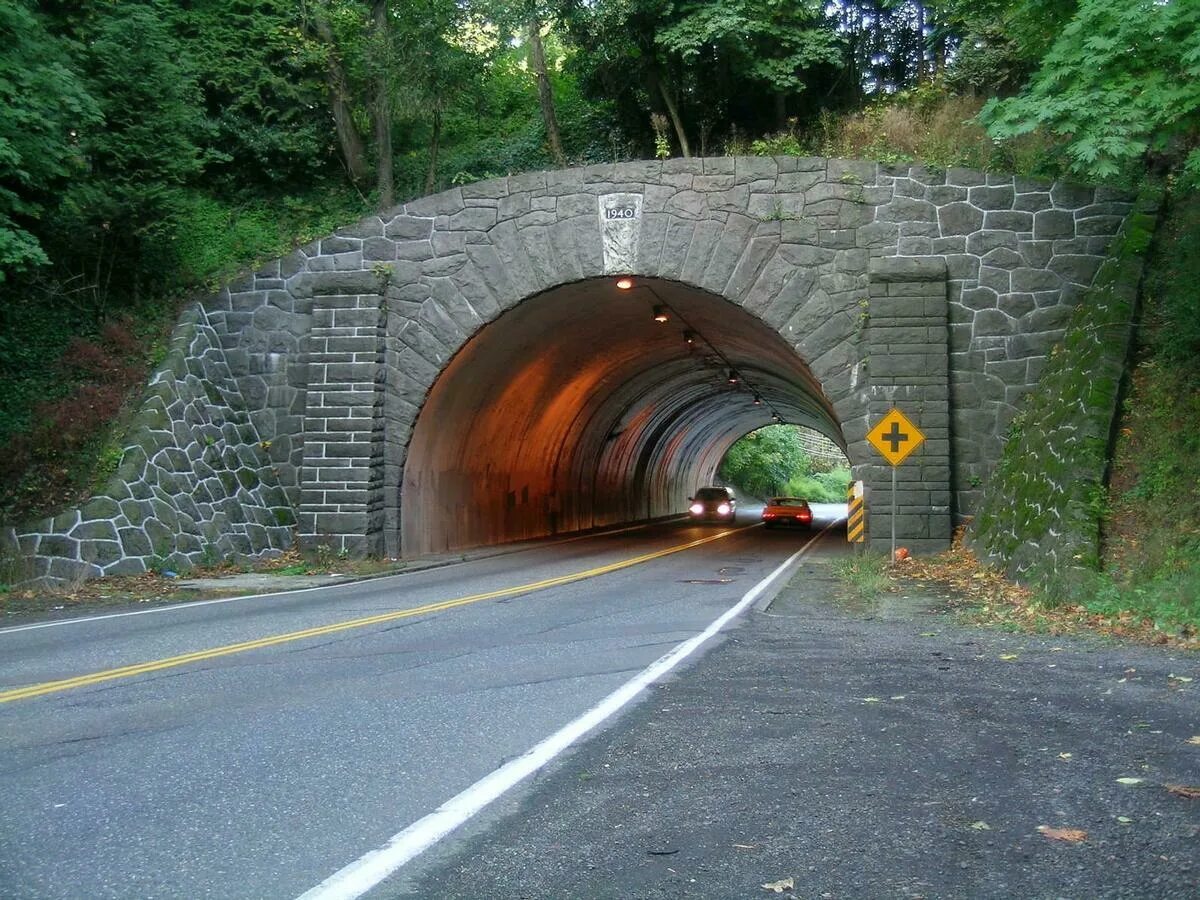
<point>856,514</point>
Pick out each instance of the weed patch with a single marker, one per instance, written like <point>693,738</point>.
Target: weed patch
<point>863,576</point>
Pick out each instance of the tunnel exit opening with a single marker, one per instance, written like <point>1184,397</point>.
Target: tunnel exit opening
<point>590,405</point>
<point>787,461</point>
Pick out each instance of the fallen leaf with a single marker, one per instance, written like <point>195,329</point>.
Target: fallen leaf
<point>1182,678</point>
<point>1008,656</point>
<point>745,846</point>
<point>1064,756</point>
<point>1195,739</point>
<point>784,884</point>
<point>981,826</point>
<point>1071,835</point>
<point>870,700</point>
<point>1124,820</point>
<point>1129,781</point>
<point>1184,790</point>
<point>897,697</point>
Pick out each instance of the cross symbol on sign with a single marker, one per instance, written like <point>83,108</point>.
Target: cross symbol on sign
<point>895,437</point>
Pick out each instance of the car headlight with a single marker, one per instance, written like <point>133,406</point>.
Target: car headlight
<point>696,509</point>
<point>723,509</point>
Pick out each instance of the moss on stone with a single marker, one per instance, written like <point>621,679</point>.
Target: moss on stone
<point>1040,515</point>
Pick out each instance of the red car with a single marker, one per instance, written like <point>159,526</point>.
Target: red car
<point>787,511</point>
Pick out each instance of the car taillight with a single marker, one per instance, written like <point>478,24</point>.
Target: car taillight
<point>696,509</point>
<point>723,509</point>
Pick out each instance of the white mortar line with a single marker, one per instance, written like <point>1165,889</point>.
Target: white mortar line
<point>369,870</point>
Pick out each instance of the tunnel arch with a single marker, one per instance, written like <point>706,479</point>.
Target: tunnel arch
<point>576,409</point>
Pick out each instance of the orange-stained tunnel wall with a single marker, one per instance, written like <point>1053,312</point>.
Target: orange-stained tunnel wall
<point>576,410</point>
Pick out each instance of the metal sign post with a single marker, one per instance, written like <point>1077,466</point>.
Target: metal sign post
<point>895,437</point>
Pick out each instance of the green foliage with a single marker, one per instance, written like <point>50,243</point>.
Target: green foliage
<point>43,107</point>
<point>263,86</point>
<point>1121,80</point>
<point>772,462</point>
<point>770,42</point>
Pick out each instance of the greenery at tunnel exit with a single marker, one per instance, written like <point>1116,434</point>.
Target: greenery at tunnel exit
<point>774,462</point>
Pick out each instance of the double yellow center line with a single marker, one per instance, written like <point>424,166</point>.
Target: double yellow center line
<point>171,662</point>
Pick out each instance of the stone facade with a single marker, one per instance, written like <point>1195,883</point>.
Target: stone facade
<point>1044,503</point>
<point>328,354</point>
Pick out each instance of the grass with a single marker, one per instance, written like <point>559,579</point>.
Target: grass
<point>863,576</point>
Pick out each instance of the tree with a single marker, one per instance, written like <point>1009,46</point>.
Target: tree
<point>770,43</point>
<point>1121,81</point>
<point>263,84</point>
<point>44,106</point>
<point>340,95</point>
<point>764,461</point>
<point>136,165</point>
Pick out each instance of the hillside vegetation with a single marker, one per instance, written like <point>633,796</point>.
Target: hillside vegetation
<point>151,150</point>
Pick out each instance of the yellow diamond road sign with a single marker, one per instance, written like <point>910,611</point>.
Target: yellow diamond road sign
<point>895,437</point>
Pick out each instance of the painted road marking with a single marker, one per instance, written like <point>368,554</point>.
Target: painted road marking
<point>65,684</point>
<point>368,871</point>
<point>192,604</point>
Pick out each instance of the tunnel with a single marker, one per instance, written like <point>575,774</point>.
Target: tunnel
<point>594,404</point>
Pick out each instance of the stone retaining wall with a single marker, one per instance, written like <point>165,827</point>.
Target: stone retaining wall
<point>194,484</point>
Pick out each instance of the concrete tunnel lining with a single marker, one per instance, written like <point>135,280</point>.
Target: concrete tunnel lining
<point>576,410</point>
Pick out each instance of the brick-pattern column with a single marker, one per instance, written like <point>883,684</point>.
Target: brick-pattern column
<point>908,365</point>
<point>341,502</point>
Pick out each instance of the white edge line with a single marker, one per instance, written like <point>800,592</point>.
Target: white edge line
<point>367,871</point>
<point>192,604</point>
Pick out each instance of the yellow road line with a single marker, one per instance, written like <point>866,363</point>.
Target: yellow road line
<point>170,662</point>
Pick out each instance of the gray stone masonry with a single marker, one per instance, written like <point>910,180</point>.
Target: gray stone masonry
<point>195,482</point>
<point>908,368</point>
<point>308,375</point>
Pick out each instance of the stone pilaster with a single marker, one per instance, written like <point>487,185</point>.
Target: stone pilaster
<point>908,366</point>
<point>341,481</point>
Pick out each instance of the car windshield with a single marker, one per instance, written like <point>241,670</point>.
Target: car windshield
<point>788,501</point>
<point>712,494</point>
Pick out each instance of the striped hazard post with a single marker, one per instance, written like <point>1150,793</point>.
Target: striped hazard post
<point>856,514</point>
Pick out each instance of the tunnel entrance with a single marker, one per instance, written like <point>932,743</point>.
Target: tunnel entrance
<point>593,404</point>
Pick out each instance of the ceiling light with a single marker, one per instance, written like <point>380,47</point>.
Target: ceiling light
<point>625,283</point>
<point>757,400</point>
<point>660,314</point>
<point>732,377</point>
<point>689,337</point>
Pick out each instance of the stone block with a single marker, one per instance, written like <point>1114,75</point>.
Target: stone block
<point>992,198</point>
<point>1053,223</point>
<point>907,269</point>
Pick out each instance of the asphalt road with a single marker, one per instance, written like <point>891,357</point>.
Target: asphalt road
<point>286,743</point>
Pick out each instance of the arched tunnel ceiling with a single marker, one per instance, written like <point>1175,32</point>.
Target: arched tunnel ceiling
<point>576,409</point>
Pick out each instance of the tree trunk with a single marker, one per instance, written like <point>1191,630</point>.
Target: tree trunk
<point>780,111</point>
<point>537,56</point>
<point>921,69</point>
<point>350,141</point>
<point>384,181</point>
<point>431,173</point>
<point>673,112</point>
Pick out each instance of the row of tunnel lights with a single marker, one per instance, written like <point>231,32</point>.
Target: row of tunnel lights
<point>662,312</point>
